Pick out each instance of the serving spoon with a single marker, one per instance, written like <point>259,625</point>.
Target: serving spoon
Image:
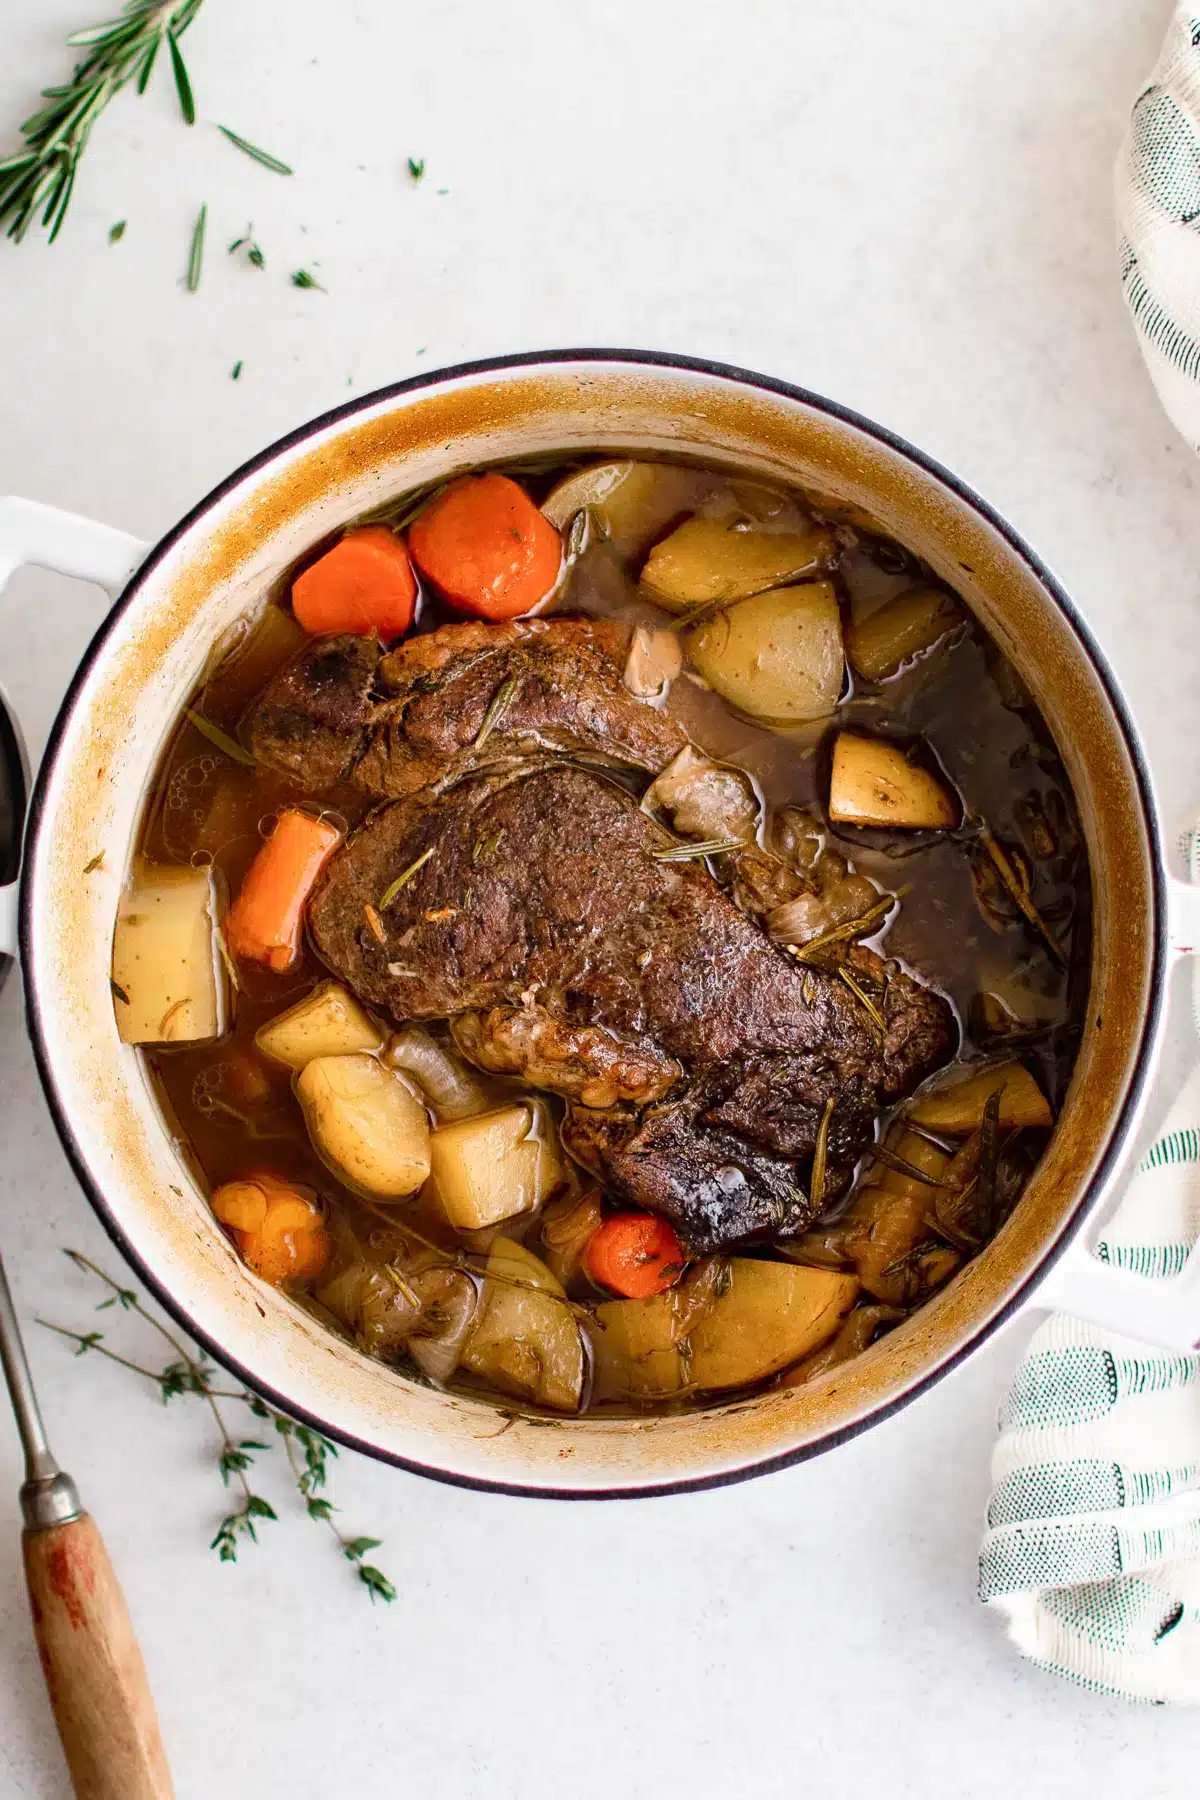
<point>93,1667</point>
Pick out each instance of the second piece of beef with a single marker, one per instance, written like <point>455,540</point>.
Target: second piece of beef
<point>345,712</point>
<point>696,1057</point>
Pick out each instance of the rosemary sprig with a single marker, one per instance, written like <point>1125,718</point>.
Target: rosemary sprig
<point>307,1451</point>
<point>688,852</point>
<point>246,242</point>
<point>40,177</point>
<point>252,150</point>
<point>195,265</point>
<point>1018,890</point>
<point>403,879</point>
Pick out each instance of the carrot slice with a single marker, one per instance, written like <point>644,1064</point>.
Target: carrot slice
<point>486,548</point>
<point>636,1255</point>
<point>278,1229</point>
<point>264,921</point>
<point>364,584</point>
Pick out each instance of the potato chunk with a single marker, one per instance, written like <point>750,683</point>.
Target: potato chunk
<point>706,560</point>
<point>366,1123</point>
<point>525,1339</point>
<point>496,1165</point>
<point>169,983</point>
<point>959,1109</point>
<point>902,628</point>
<point>631,503</point>
<point>327,1022</point>
<point>770,1315</point>
<point>874,783</point>
<point>778,656</point>
<point>756,1318</point>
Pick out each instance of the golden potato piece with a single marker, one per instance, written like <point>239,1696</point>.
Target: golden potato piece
<point>496,1165</point>
<point>366,1123</point>
<point>771,1314</point>
<point>958,1109</point>
<point>777,656</point>
<point>169,983</point>
<point>707,560</point>
<point>327,1022</point>
<point>632,503</point>
<point>874,783</point>
<point>635,1350</point>
<point>902,628</point>
<point>524,1339</point>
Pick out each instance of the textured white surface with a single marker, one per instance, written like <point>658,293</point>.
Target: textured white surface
<point>870,200</point>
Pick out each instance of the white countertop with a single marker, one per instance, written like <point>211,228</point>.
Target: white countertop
<point>904,204</point>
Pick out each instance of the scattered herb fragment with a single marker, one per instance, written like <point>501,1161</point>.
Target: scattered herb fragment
<point>498,705</point>
<point>97,862</point>
<point>40,176</point>
<point>816,1185</point>
<point>118,991</point>
<point>196,254</point>
<point>864,1000</point>
<point>254,255</point>
<point>116,232</point>
<point>302,279</point>
<point>216,736</point>
<point>235,374</point>
<point>689,852</point>
<point>252,150</point>
<point>405,876</point>
<point>416,167</point>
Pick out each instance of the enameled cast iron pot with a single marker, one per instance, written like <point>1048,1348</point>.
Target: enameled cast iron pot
<point>174,601</point>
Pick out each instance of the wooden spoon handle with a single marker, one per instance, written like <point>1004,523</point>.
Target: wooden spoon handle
<point>93,1667</point>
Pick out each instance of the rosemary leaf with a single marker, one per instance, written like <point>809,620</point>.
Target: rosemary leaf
<point>689,852</point>
<point>881,1154</point>
<point>196,254</point>
<point>402,880</point>
<point>252,150</point>
<point>97,862</point>
<point>116,232</point>
<point>183,86</point>
<point>816,1185</point>
<point>215,735</point>
<point>416,167</point>
<point>235,374</point>
<point>864,1000</point>
<point>498,705</point>
<point>302,279</point>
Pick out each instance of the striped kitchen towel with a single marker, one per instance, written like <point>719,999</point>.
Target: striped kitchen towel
<point>1158,218</point>
<point>1092,1547</point>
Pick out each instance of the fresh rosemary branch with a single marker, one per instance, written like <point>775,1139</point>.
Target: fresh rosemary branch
<point>307,1451</point>
<point>41,175</point>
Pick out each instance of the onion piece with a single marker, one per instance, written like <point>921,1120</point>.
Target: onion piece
<point>655,659</point>
<point>807,917</point>
<point>450,1087</point>
<point>704,799</point>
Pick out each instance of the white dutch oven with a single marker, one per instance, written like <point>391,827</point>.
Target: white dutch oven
<point>172,602</point>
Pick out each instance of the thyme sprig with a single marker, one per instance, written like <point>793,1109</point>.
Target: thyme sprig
<point>40,176</point>
<point>308,1453</point>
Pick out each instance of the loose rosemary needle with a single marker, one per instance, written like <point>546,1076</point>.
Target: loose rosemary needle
<point>40,176</point>
<point>196,254</point>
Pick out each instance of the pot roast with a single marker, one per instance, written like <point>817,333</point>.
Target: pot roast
<point>697,1059</point>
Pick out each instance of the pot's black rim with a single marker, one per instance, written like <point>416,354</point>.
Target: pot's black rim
<point>845,415</point>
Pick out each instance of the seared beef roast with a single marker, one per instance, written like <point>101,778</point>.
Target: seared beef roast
<point>696,1057</point>
<point>391,724</point>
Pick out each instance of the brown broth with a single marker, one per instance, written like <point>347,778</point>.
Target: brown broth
<point>233,1107</point>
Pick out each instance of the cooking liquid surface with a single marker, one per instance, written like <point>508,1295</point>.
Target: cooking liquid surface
<point>234,1108</point>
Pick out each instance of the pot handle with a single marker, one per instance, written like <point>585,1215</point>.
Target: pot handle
<point>70,545</point>
<point>1159,1311</point>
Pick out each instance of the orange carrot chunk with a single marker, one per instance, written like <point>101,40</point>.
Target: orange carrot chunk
<point>636,1255</point>
<point>265,920</point>
<point>364,584</point>
<point>486,548</point>
<point>278,1229</point>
